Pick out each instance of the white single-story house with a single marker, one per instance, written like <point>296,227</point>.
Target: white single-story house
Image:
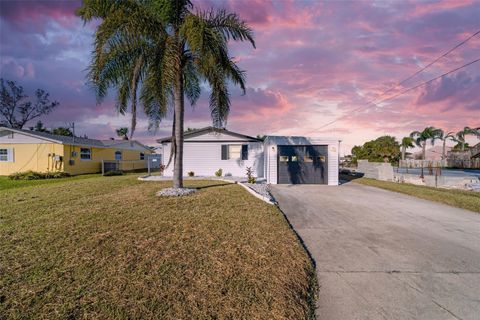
<point>278,159</point>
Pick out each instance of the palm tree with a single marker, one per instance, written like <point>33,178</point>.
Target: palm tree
<point>407,142</point>
<point>421,139</point>
<point>444,137</point>
<point>169,50</point>
<point>122,133</point>
<point>461,135</point>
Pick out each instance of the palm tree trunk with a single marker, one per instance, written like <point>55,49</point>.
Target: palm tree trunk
<point>404,149</point>
<point>179,116</point>
<point>133,89</point>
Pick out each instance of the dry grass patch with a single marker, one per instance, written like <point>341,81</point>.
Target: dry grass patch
<point>109,248</point>
<point>464,199</point>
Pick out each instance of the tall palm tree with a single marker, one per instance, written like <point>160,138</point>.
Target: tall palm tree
<point>407,142</point>
<point>461,135</point>
<point>444,137</point>
<point>421,139</point>
<point>168,50</point>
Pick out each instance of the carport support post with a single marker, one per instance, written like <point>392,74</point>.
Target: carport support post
<point>103,168</point>
<point>148,165</point>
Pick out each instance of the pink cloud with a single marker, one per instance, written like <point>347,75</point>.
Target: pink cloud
<point>315,62</point>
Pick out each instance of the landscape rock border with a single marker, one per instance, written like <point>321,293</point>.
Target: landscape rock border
<point>175,192</point>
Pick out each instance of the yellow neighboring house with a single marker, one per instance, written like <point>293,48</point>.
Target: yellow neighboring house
<point>23,150</point>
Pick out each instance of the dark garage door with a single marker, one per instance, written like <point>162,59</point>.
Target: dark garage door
<point>302,164</point>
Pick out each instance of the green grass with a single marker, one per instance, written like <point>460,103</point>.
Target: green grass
<point>108,248</point>
<point>6,183</point>
<point>457,198</point>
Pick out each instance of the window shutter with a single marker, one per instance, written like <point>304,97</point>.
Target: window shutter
<point>224,151</point>
<point>10,155</point>
<point>244,151</point>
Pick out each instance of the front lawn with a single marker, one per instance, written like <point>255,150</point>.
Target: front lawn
<point>464,199</point>
<point>6,183</point>
<point>107,247</point>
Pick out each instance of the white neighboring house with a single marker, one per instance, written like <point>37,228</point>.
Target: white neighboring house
<point>278,159</point>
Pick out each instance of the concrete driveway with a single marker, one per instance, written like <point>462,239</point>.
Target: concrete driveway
<point>384,255</point>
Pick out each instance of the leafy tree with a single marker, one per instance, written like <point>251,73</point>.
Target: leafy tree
<point>167,49</point>
<point>382,149</point>
<point>123,133</point>
<point>16,110</point>
<point>407,142</point>
<point>62,131</point>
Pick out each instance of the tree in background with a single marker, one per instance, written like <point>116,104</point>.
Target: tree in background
<point>16,110</point>
<point>444,137</point>
<point>407,142</point>
<point>421,138</point>
<point>63,131</point>
<point>122,133</point>
<point>170,49</point>
<point>39,127</point>
<point>382,149</point>
<point>461,135</point>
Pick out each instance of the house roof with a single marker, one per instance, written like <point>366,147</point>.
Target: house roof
<point>202,131</point>
<point>120,144</point>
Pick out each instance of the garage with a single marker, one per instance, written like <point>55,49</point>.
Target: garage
<point>302,164</point>
<point>301,160</point>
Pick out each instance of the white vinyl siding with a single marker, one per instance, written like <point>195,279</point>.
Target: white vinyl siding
<point>6,154</point>
<point>204,158</point>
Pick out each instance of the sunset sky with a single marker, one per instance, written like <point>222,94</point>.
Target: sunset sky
<point>315,62</point>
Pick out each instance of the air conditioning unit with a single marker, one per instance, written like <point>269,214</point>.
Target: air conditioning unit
<point>71,162</point>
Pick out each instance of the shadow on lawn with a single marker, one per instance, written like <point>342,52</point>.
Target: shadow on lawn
<point>213,185</point>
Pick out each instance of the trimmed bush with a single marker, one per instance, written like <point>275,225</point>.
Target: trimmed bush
<point>191,173</point>
<point>34,175</point>
<point>219,172</point>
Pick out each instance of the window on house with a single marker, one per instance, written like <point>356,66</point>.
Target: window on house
<point>118,155</point>
<point>142,156</point>
<point>6,155</point>
<point>234,151</point>
<point>85,153</point>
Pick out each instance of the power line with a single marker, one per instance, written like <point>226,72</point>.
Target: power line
<point>428,65</point>
<point>402,92</point>
<point>367,105</point>
<point>431,80</point>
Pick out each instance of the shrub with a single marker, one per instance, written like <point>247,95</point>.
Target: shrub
<point>191,173</point>
<point>250,177</point>
<point>34,175</point>
<point>219,172</point>
<point>113,173</point>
